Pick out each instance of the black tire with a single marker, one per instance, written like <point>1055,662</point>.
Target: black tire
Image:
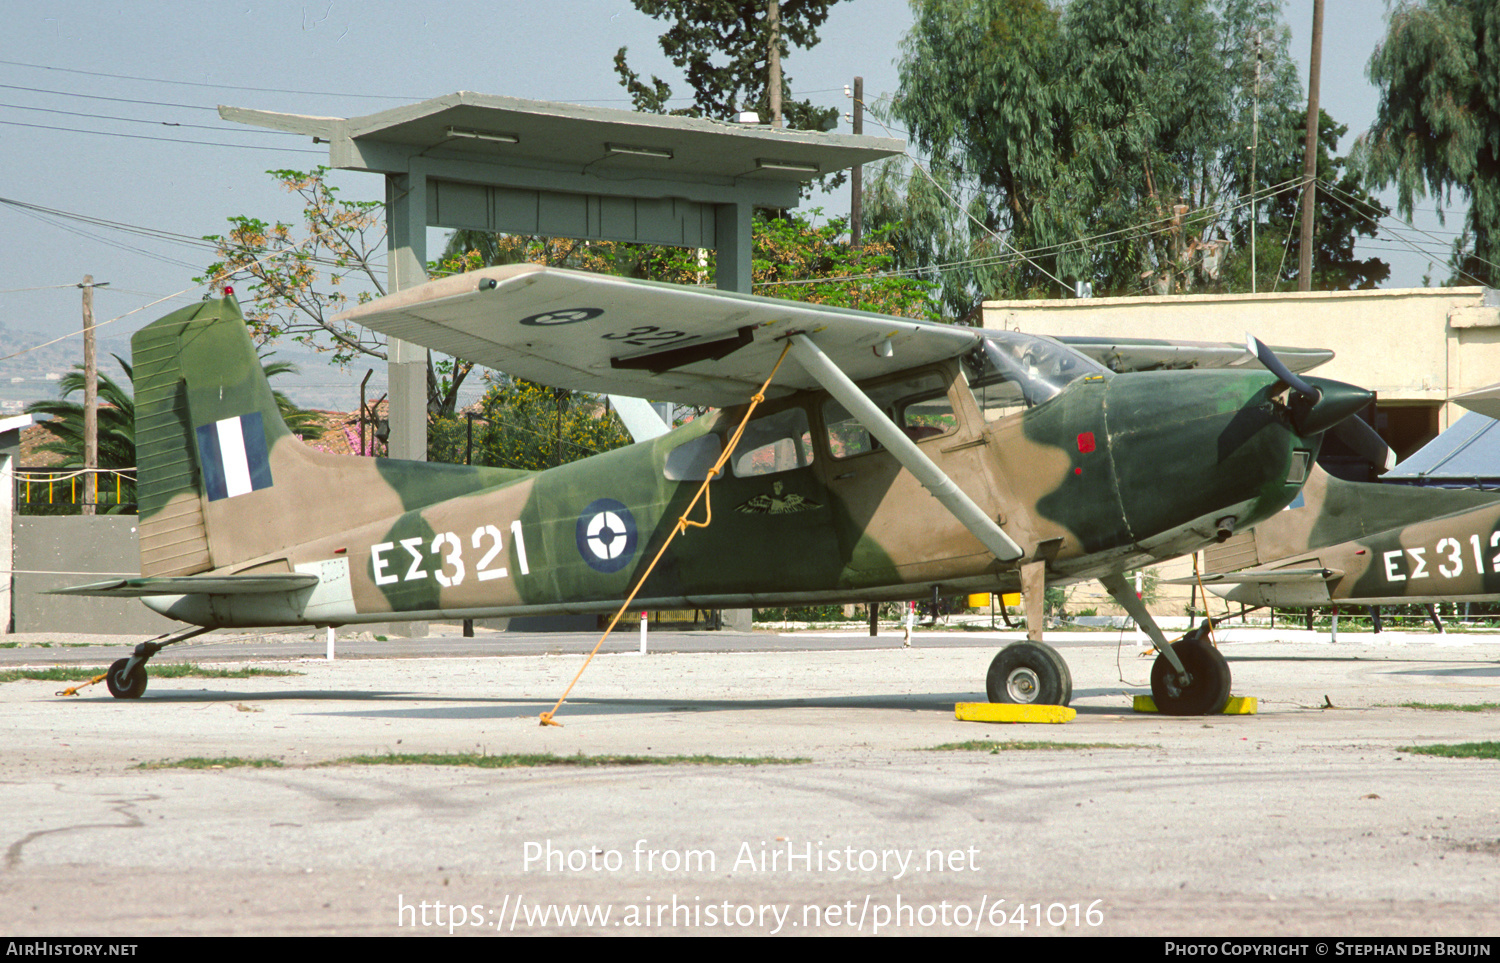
<point>1206,695</point>
<point>122,686</point>
<point>1029,673</point>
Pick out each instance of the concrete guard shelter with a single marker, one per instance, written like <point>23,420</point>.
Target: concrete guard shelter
<point>501,164</point>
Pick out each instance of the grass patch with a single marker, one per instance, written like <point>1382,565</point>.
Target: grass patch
<point>166,670</point>
<point>1451,706</point>
<point>527,760</point>
<point>1459,750</point>
<point>221,762</point>
<point>1019,745</point>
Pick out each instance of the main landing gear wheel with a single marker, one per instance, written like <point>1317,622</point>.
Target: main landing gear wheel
<point>1029,673</point>
<point>123,686</point>
<point>1206,694</point>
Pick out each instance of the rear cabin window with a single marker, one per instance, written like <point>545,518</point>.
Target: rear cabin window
<point>918,405</point>
<point>692,460</point>
<point>775,443</point>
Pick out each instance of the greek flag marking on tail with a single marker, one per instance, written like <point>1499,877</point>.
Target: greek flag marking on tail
<point>233,455</point>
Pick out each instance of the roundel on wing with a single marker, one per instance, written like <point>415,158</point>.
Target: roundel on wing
<point>563,316</point>
<point>606,535</point>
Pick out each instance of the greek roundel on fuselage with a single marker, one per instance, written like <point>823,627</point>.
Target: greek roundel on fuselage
<point>606,535</point>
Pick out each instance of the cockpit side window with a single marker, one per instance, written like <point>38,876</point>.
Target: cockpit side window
<point>1010,371</point>
<point>919,405</point>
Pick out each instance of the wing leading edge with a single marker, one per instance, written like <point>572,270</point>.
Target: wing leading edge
<point>669,342</point>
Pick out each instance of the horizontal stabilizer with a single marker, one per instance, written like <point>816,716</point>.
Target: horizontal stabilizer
<point>1279,575</point>
<point>134,588</point>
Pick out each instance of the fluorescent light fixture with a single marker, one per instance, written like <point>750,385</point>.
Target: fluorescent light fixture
<point>660,153</point>
<point>796,167</point>
<point>490,135</point>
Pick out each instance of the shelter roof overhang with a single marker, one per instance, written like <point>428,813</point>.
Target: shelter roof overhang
<point>484,138</point>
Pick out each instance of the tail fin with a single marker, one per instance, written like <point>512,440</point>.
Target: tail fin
<point>197,378</point>
<point>223,483</point>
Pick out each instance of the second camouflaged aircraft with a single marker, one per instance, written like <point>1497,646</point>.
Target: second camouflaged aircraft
<point>1352,543</point>
<point>890,457</point>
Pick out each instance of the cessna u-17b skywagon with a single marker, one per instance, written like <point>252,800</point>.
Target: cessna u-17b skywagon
<point>888,458</point>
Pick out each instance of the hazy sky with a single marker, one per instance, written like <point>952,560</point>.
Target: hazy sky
<point>67,67</point>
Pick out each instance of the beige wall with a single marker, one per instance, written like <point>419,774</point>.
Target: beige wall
<point>1407,345</point>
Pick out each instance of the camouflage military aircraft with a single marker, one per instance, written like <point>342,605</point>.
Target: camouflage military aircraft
<point>1364,544</point>
<point>890,457</point>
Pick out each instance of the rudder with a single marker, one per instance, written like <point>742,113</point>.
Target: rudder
<point>229,400</point>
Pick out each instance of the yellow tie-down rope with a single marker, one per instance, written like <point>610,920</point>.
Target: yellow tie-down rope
<point>73,690</point>
<point>682,525</point>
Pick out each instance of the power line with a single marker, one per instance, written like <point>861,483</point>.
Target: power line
<point>193,83</point>
<point>162,123</point>
<point>1351,200</point>
<point>118,100</point>
<point>47,215</point>
<point>169,140</point>
<point>44,287</point>
<point>278,90</point>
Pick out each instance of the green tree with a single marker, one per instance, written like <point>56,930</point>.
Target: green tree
<point>722,46</point>
<point>1097,118</point>
<point>1437,127</point>
<point>296,286</point>
<point>116,428</point>
<point>524,425</point>
<point>1343,211</point>
<point>1105,141</point>
<point>795,257</point>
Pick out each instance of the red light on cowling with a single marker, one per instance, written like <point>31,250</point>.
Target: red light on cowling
<point>228,291</point>
<point>1078,471</point>
<point>1086,442</point>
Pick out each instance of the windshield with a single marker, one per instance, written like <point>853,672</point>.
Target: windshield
<point>1034,367</point>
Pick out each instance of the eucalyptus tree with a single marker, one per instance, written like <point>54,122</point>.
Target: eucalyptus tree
<point>1437,127</point>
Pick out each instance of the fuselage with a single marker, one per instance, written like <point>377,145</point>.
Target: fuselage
<point>1110,473</point>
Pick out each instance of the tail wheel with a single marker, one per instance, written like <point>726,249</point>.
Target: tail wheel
<point>1029,673</point>
<point>123,686</point>
<point>1207,692</point>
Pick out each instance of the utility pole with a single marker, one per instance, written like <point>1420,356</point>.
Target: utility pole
<point>1310,155</point>
<point>856,177</point>
<point>90,399</point>
<point>1254,158</point>
<point>773,58</point>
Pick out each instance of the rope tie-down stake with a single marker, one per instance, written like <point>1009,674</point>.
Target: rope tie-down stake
<point>681,526</point>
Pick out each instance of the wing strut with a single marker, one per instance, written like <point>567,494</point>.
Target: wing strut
<point>848,394</point>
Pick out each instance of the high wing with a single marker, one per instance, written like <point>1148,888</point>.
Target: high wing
<point>697,346</point>
<point>1151,354</point>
